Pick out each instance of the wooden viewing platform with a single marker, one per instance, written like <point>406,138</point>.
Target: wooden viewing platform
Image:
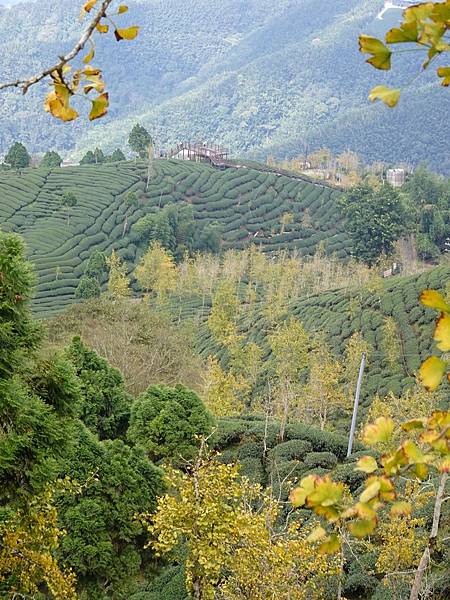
<point>212,153</point>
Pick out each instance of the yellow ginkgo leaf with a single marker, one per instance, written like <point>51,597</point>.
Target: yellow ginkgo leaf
<point>89,5</point>
<point>434,299</point>
<point>379,431</point>
<point>432,371</point>
<point>366,464</point>
<point>370,492</point>
<point>444,72</point>
<point>390,96</point>
<point>59,108</point>
<point>126,34</point>
<point>407,32</point>
<point>89,56</point>
<point>330,545</point>
<point>444,466</point>
<point>381,54</point>
<point>297,497</point>
<point>99,107</point>
<point>122,9</point>
<point>442,332</point>
<point>401,508</point>
<point>102,28</point>
<point>317,534</point>
<point>362,527</point>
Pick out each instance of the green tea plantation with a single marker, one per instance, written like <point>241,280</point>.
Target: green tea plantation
<point>246,203</point>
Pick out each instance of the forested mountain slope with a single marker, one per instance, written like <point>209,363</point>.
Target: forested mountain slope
<point>246,204</point>
<point>258,77</point>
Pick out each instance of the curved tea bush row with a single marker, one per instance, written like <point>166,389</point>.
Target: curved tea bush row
<point>248,205</point>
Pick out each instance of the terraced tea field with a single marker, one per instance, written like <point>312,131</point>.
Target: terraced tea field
<point>248,204</point>
<point>341,313</point>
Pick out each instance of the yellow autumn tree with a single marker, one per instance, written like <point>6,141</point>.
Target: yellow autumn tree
<point>223,317</point>
<point>220,390</point>
<point>118,282</point>
<point>234,548</point>
<point>157,272</point>
<point>323,395</point>
<point>29,537</point>
<point>290,345</point>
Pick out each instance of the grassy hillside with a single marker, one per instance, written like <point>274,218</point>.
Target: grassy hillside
<point>259,77</point>
<point>246,203</point>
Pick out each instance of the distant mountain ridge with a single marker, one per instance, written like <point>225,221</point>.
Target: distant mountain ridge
<point>257,77</point>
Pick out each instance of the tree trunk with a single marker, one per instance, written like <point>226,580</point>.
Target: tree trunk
<point>423,564</point>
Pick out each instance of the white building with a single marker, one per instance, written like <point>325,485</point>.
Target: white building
<point>396,177</point>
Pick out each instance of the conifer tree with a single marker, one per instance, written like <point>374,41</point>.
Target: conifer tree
<point>117,156</point>
<point>88,158</point>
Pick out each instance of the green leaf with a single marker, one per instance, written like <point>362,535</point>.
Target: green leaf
<point>99,107</point>
<point>331,545</point>
<point>366,464</point>
<point>390,96</point>
<point>431,372</point>
<point>406,33</point>
<point>362,527</point>
<point>381,54</point>
<point>414,424</point>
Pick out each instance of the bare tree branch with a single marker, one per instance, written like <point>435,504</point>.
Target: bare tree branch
<point>415,590</point>
<point>25,84</point>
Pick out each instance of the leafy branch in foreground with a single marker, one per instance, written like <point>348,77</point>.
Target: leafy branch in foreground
<point>85,80</point>
<point>425,27</point>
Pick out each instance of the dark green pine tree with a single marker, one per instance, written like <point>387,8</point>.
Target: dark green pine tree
<point>36,399</point>
<point>51,159</point>
<point>99,157</point>
<point>140,141</point>
<point>18,157</point>
<point>106,405</point>
<point>165,421</point>
<point>117,156</point>
<point>88,158</point>
<point>87,288</point>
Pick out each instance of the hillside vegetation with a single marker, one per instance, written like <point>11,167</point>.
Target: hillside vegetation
<point>247,204</point>
<point>260,78</point>
<point>387,314</point>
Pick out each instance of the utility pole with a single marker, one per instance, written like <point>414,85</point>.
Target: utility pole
<point>356,405</point>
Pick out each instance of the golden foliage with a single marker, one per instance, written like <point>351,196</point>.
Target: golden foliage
<point>118,282</point>
<point>29,538</point>
<point>234,550</point>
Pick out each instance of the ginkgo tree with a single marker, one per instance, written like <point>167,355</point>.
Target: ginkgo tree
<point>425,29</point>
<point>424,454</point>
<point>86,81</point>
